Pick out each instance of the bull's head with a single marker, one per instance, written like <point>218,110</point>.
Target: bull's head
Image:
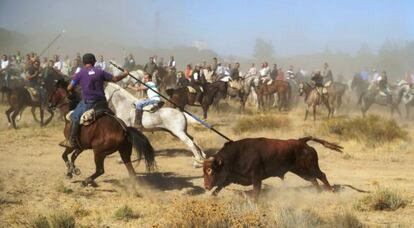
<point>211,168</point>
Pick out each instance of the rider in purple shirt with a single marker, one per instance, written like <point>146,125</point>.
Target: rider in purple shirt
<point>91,80</point>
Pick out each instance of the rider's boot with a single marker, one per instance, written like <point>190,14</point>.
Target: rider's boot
<point>138,119</point>
<point>72,142</point>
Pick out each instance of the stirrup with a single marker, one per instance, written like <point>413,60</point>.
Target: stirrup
<point>66,143</point>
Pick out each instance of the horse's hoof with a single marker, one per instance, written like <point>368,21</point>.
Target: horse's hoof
<point>69,175</point>
<point>77,171</point>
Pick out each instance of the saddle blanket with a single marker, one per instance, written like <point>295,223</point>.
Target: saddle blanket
<point>153,107</point>
<point>34,94</point>
<point>235,85</point>
<point>192,90</point>
<point>87,117</point>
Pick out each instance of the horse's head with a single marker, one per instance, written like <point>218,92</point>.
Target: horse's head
<point>58,97</point>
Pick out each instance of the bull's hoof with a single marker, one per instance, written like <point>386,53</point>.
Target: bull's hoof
<point>76,171</point>
<point>86,183</point>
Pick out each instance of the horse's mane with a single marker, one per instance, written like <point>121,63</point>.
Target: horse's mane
<point>122,91</point>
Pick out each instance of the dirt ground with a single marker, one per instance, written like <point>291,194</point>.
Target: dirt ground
<point>33,182</point>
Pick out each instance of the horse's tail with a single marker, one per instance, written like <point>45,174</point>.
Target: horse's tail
<point>332,146</point>
<point>360,98</point>
<point>142,146</point>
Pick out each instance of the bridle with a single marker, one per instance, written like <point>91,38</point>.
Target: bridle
<point>60,104</point>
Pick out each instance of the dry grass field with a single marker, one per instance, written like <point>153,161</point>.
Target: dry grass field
<point>34,191</point>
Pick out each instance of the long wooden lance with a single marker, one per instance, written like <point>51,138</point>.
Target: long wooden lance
<point>172,102</point>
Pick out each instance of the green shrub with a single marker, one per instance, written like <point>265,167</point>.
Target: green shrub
<point>381,199</point>
<point>125,213</point>
<point>372,130</point>
<point>260,122</point>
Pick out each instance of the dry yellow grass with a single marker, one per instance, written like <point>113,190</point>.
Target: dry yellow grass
<point>33,184</point>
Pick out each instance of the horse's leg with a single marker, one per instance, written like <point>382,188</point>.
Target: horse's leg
<point>33,110</point>
<point>8,112</point>
<point>328,106</point>
<point>199,155</point>
<point>125,151</point>
<point>99,164</point>
<point>205,109</point>
<point>67,162</point>
<point>73,158</point>
<point>314,112</point>
<point>42,113</point>
<point>306,112</point>
<point>50,117</point>
<point>14,115</point>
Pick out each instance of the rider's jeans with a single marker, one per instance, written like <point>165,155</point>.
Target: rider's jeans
<point>79,110</point>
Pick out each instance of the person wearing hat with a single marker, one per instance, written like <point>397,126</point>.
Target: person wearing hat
<point>91,80</point>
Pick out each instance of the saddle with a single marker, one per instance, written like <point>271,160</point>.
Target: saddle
<point>34,94</point>
<point>91,115</point>
<point>191,89</point>
<point>154,107</point>
<point>321,90</point>
<point>328,83</point>
<point>235,85</point>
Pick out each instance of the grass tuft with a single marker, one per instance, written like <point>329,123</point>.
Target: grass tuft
<point>63,189</point>
<point>372,130</point>
<point>62,220</point>
<point>260,122</point>
<point>380,200</point>
<point>125,213</point>
<point>39,222</point>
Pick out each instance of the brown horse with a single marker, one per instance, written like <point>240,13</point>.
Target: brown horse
<point>183,97</point>
<point>166,79</point>
<point>105,136</point>
<point>279,87</point>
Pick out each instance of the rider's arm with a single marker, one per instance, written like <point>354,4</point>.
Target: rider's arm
<point>116,78</point>
<point>31,76</point>
<point>137,88</point>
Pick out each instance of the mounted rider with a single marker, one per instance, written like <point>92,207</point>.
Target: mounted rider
<point>318,79</point>
<point>153,97</point>
<point>197,81</point>
<point>264,73</point>
<point>34,79</point>
<point>91,80</point>
<point>327,75</point>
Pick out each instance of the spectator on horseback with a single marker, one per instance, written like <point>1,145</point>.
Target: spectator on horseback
<point>91,81</point>
<point>34,77</point>
<point>4,71</point>
<point>171,64</point>
<point>188,72</point>
<point>265,72</point>
<point>235,73</point>
<point>207,73</point>
<point>101,63</point>
<point>252,71</point>
<point>317,78</point>
<point>153,97</point>
<point>383,84</point>
<point>197,82</point>
<point>327,75</point>
<point>183,81</point>
<point>273,72</point>
<point>151,66</point>
<point>58,65</point>
<point>129,62</point>
<point>280,74</point>
<point>290,75</point>
<point>215,65</point>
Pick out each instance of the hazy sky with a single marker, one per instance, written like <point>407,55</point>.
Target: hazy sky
<point>227,27</point>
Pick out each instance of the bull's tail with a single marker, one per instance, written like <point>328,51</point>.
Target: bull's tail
<point>332,146</point>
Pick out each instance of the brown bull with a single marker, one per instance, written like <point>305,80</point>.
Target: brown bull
<point>249,161</point>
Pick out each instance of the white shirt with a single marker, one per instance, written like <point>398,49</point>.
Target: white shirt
<point>151,94</point>
<point>101,65</point>
<point>171,63</point>
<point>4,64</point>
<point>264,71</point>
<point>58,65</point>
<point>252,71</point>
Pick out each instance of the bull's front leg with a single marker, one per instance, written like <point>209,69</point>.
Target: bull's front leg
<point>217,190</point>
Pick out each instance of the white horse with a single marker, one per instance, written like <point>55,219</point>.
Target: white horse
<point>167,119</point>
